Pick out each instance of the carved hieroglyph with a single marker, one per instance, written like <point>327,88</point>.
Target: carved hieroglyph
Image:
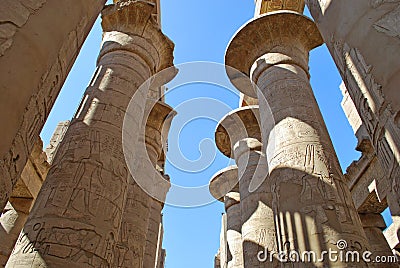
<point>35,59</point>
<point>264,6</point>
<point>77,217</point>
<point>312,205</point>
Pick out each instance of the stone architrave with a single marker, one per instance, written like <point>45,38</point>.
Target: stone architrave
<point>23,196</point>
<point>371,73</point>
<point>224,187</point>
<point>312,204</point>
<point>238,135</point>
<point>77,217</point>
<point>39,42</point>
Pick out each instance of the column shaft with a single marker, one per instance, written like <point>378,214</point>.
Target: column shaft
<point>257,216</point>
<point>78,213</point>
<point>233,233</point>
<point>154,215</point>
<point>312,204</point>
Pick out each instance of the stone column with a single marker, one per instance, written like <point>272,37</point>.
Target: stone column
<point>160,240</point>
<point>77,217</point>
<point>221,188</point>
<point>373,226</point>
<point>311,202</point>
<point>238,134</point>
<point>39,42</point>
<point>155,138</point>
<point>223,244</point>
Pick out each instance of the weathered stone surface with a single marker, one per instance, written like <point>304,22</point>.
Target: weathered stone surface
<point>55,140</point>
<point>247,101</point>
<point>232,252</point>
<point>21,200</point>
<point>264,6</point>
<point>89,174</point>
<point>12,221</point>
<point>239,123</point>
<point>39,41</point>
<point>305,176</point>
<point>370,71</point>
<point>217,261</point>
<point>155,138</point>
<point>223,243</point>
<point>257,217</point>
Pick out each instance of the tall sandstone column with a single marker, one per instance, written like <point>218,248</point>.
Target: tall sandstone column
<point>221,189</point>
<point>371,73</point>
<point>39,42</point>
<point>156,128</point>
<point>312,205</point>
<point>76,219</point>
<point>238,135</point>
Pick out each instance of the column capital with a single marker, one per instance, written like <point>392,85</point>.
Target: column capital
<point>135,19</point>
<point>246,145</point>
<point>270,34</point>
<point>239,124</point>
<point>157,128</point>
<point>223,182</point>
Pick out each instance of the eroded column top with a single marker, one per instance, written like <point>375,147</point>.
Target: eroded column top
<point>237,125</point>
<point>287,36</point>
<point>224,182</point>
<point>135,18</point>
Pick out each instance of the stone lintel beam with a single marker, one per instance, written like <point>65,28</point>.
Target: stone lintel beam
<point>367,183</point>
<point>274,41</point>
<point>372,220</point>
<point>223,182</point>
<point>239,124</point>
<point>135,19</point>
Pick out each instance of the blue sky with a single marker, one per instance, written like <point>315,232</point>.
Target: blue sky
<point>201,31</point>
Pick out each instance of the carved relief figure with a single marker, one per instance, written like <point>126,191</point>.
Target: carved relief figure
<point>88,179</point>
